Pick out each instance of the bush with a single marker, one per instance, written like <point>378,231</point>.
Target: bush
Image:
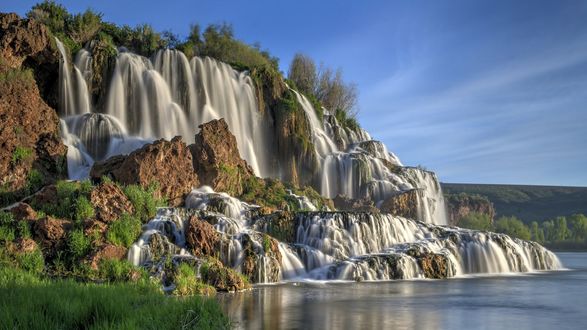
<point>143,201</point>
<point>83,209</point>
<point>125,231</point>
<point>187,284</point>
<point>79,245</point>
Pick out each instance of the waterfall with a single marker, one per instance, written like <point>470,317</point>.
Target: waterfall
<point>353,246</point>
<point>169,95</point>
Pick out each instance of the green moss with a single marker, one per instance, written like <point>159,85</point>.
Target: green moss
<point>125,231</point>
<point>17,76</point>
<point>21,154</point>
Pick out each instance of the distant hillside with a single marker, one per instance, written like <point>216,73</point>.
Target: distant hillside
<point>528,203</point>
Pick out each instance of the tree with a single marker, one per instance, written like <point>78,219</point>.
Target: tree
<point>561,231</point>
<point>536,232</point>
<point>478,221</point>
<point>578,224</point>
<point>512,226</point>
<point>302,71</point>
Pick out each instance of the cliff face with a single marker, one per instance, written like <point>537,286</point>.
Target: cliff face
<point>31,151</point>
<point>404,204</point>
<point>461,205</point>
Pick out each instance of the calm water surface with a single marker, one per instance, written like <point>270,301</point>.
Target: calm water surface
<point>553,300</point>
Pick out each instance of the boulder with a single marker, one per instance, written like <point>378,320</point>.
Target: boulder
<point>201,237</point>
<point>51,233</point>
<point>107,252</point>
<point>109,202</point>
<point>216,158</point>
<point>23,211</point>
<point>404,204</point>
<point>167,163</point>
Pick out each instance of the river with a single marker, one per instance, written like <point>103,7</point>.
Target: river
<point>547,300</point>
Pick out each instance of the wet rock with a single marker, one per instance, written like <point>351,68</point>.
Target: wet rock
<point>343,203</point>
<point>281,225</point>
<point>261,258</point>
<point>404,204</point>
<point>222,278</point>
<point>434,266</point>
<point>161,248</point>
<point>167,163</point>
<point>107,252</point>
<point>201,237</point>
<point>109,202</point>
<point>216,159</point>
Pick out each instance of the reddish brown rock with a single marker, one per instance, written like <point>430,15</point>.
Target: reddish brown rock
<point>461,205</point>
<point>216,158</point>
<point>202,238</point>
<point>404,204</point>
<point>222,278</point>
<point>25,245</point>
<point>23,211</point>
<point>109,202</point>
<point>107,252</point>
<point>94,226</point>
<point>20,38</point>
<point>434,265</point>
<point>51,232</point>
<point>29,133</point>
<point>167,163</point>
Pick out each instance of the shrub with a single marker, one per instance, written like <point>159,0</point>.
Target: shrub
<point>83,209</point>
<point>187,284</point>
<point>125,231</point>
<point>143,201</point>
<point>79,245</point>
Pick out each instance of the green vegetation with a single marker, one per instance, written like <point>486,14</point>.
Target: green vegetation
<point>477,221</point>
<point>125,231</point>
<point>112,271</point>
<point>27,302</point>
<point>559,233</point>
<point>187,284</point>
<point>78,243</point>
<point>21,154</point>
<point>72,202</point>
<point>144,201</point>
<point>325,87</point>
<point>266,243</point>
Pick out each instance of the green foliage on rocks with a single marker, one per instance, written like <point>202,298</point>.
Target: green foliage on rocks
<point>144,201</point>
<point>187,284</point>
<point>125,231</point>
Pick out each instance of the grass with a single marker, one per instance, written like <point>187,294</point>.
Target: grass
<point>143,201</point>
<point>27,302</point>
<point>21,154</point>
<point>187,284</point>
<point>125,231</point>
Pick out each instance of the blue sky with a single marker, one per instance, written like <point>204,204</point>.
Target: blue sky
<point>478,91</point>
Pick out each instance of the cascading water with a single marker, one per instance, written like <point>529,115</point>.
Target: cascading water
<point>338,245</point>
<point>169,95</point>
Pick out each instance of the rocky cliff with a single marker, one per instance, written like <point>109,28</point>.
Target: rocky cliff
<point>461,205</point>
<point>31,151</point>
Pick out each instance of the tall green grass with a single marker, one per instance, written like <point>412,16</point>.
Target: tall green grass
<point>29,303</point>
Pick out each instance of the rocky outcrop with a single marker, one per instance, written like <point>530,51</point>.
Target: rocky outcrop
<point>434,266</point>
<point>216,159</point>
<point>107,252</point>
<point>261,264</point>
<point>109,202</point>
<point>404,204</point>
<point>461,205</point>
<point>201,237</point>
<point>166,163</point>
<point>222,278</point>
<point>51,233</point>
<point>281,225</point>
<point>20,38</point>
<point>31,152</point>
<point>343,203</point>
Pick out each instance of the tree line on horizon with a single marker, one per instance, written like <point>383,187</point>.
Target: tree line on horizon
<point>561,232</point>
